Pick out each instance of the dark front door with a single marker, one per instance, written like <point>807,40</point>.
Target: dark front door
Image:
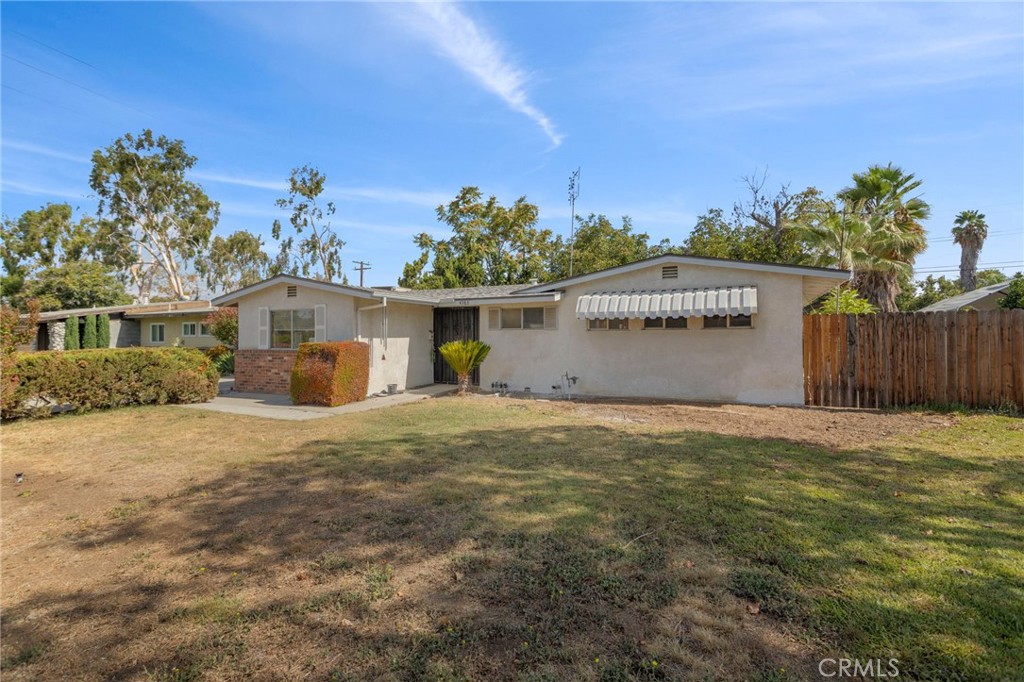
<point>454,324</point>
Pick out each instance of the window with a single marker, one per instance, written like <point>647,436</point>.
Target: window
<point>665,323</point>
<point>727,321</point>
<point>522,318</point>
<point>289,328</point>
<point>605,323</point>
<point>188,328</point>
<point>204,329</point>
<point>156,333</point>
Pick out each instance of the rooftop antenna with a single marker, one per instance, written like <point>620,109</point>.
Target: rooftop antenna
<point>363,267</point>
<point>574,193</point>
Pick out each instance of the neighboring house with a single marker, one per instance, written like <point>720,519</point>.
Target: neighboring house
<point>982,298</point>
<point>152,324</point>
<point>676,327</point>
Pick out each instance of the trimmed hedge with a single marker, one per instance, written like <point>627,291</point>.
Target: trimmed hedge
<point>103,378</point>
<point>330,374</point>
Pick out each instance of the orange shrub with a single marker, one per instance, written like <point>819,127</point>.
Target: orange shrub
<point>330,374</point>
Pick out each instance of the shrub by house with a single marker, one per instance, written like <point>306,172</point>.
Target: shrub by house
<point>331,373</point>
<point>103,378</point>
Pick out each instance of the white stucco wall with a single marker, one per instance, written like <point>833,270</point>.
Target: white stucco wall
<point>762,364</point>
<point>341,311</point>
<point>404,360</point>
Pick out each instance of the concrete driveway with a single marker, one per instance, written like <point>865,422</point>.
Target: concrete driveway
<point>271,406</point>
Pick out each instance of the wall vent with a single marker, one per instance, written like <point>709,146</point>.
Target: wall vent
<point>293,291</point>
<point>670,272</point>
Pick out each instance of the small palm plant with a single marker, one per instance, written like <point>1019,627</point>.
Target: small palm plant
<point>463,357</point>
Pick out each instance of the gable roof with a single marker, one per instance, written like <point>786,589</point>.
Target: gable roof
<point>966,299</point>
<point>670,259</point>
<point>230,297</point>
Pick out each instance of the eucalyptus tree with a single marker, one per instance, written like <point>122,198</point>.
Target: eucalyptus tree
<point>314,250</point>
<point>969,231</point>
<point>153,220</point>
<point>235,261</point>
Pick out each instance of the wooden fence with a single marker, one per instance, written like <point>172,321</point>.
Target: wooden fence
<point>975,358</point>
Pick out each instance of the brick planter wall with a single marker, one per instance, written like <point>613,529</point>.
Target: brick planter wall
<point>263,371</point>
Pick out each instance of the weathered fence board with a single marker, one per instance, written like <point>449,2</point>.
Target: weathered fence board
<point>975,358</point>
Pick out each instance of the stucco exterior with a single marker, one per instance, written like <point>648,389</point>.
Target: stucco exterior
<point>172,332</point>
<point>761,364</point>
<point>402,358</point>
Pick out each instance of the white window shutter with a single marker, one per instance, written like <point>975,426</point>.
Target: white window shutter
<point>551,317</point>
<point>263,342</point>
<point>320,323</point>
<point>494,318</point>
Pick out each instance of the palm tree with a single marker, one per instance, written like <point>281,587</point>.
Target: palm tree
<point>463,357</point>
<point>969,231</point>
<point>894,235</point>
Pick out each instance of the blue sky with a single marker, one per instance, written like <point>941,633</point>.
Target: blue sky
<point>664,106</point>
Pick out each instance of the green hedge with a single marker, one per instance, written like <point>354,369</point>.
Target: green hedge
<point>114,377</point>
<point>331,373</point>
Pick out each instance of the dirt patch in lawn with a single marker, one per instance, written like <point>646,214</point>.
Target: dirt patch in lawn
<point>831,428</point>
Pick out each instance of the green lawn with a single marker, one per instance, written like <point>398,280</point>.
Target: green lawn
<point>472,539</point>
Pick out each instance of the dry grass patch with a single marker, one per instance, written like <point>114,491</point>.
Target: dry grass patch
<point>475,538</point>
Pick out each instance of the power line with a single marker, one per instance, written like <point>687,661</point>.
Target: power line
<point>51,47</point>
<point>990,234</point>
<point>70,82</point>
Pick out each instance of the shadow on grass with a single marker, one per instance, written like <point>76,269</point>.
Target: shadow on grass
<point>552,552</point>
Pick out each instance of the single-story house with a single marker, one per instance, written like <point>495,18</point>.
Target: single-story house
<point>150,324</point>
<point>982,298</point>
<point>677,327</point>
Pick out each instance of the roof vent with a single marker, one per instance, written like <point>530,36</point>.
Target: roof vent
<point>670,272</point>
<point>293,291</point>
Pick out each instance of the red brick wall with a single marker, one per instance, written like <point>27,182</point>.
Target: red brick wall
<point>263,371</point>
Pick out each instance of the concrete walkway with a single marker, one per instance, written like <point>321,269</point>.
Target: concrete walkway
<point>272,406</point>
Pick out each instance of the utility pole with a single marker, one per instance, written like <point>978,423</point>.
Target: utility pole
<point>363,267</point>
<point>574,193</point>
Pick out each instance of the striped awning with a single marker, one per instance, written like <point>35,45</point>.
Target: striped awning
<point>739,300</point>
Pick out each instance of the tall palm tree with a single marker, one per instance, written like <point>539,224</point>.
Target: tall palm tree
<point>894,235</point>
<point>969,231</point>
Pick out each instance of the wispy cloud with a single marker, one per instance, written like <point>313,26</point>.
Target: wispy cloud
<point>40,150</point>
<point>469,46</point>
<point>29,189</point>
<point>393,195</point>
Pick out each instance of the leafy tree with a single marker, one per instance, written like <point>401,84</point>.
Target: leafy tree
<point>103,331</point>
<point>152,219</point>
<point>318,250</point>
<point>775,216</point>
<point>1014,297</point>
<point>715,237</point>
<point>78,284</point>
<point>40,239</point>
<point>989,277</point>
<point>891,235</point>
<point>223,324</point>
<point>235,261</point>
<point>844,301</point>
<point>930,290</point>
<point>89,332</point>
<point>490,244</point>
<point>463,357</point>
<point>71,333</point>
<point>969,231</point>
<point>598,245</point>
